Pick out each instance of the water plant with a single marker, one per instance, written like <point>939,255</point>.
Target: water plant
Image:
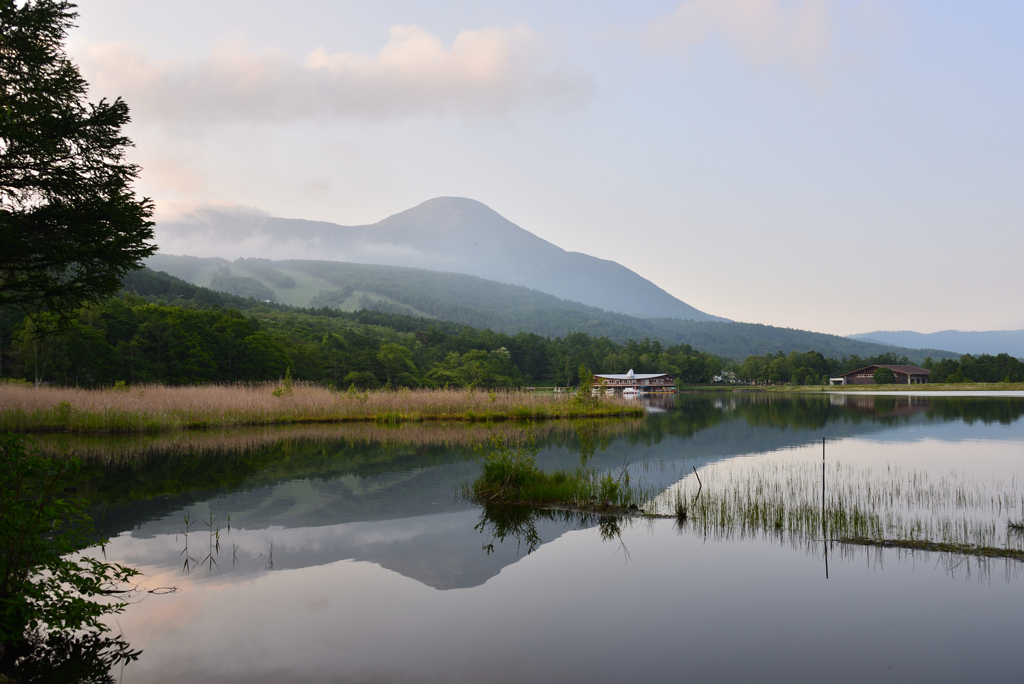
<point>189,560</point>
<point>509,475</point>
<point>214,542</point>
<point>899,507</point>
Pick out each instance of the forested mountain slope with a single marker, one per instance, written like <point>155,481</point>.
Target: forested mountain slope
<point>164,330</point>
<point>509,309</point>
<point>446,234</point>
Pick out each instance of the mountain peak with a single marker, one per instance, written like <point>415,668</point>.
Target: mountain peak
<point>456,216</point>
<point>454,234</point>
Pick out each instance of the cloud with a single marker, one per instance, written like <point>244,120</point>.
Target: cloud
<point>231,231</point>
<point>487,71</point>
<point>795,34</point>
<point>221,229</point>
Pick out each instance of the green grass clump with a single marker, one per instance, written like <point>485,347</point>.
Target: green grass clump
<point>509,475</point>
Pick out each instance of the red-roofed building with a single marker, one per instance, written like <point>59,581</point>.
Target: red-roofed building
<point>905,375</point>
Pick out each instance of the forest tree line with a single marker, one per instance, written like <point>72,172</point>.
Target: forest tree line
<point>182,334</point>
<point>480,303</point>
<point>162,329</point>
<point>813,368</point>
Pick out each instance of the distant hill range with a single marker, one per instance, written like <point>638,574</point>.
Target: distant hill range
<point>481,303</point>
<point>964,342</point>
<point>449,234</point>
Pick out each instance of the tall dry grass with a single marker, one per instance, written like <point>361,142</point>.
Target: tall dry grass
<point>158,408</point>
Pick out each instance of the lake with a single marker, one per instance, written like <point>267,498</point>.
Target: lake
<point>344,553</point>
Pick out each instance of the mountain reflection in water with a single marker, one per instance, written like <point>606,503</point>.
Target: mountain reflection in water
<point>344,553</point>
<point>389,496</point>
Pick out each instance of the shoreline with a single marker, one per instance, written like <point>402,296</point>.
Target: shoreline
<point>979,387</point>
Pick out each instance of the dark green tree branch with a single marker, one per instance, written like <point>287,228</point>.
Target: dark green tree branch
<point>71,226</point>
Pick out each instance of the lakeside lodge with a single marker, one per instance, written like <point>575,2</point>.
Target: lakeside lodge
<point>642,383</point>
<point>905,375</point>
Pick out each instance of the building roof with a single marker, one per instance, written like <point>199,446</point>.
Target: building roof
<point>631,376</point>
<point>906,370</point>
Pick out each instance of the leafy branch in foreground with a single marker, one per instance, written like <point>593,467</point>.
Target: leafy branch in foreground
<point>51,598</point>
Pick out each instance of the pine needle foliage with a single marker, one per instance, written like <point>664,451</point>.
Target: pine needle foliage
<point>70,224</point>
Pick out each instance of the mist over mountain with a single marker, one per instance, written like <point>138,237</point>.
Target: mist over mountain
<point>444,234</point>
<point>480,303</point>
<point>964,342</point>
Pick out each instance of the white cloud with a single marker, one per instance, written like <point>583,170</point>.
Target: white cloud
<point>223,230</point>
<point>795,34</point>
<point>486,71</point>
<point>231,231</point>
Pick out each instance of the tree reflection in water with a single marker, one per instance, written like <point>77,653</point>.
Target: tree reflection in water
<point>508,522</point>
<point>66,658</point>
<point>52,598</point>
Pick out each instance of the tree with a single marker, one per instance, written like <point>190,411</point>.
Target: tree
<point>586,378</point>
<point>71,226</point>
<point>884,376</point>
<point>585,393</point>
<point>396,359</point>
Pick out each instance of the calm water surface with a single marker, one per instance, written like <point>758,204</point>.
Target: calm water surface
<point>335,554</point>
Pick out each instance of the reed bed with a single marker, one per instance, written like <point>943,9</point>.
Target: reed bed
<point>455,434</point>
<point>908,508</point>
<point>158,408</point>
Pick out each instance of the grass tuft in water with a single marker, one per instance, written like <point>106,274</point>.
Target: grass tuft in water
<point>681,507</point>
<point>509,475</point>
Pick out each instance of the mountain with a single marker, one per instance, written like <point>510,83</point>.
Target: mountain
<point>476,302</point>
<point>450,234</point>
<point>964,342</point>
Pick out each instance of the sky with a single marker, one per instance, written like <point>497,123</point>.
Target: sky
<point>837,166</point>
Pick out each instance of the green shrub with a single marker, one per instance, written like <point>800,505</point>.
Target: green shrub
<point>885,376</point>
